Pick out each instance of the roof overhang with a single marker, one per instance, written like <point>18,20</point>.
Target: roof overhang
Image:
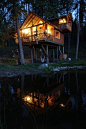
<point>31,20</point>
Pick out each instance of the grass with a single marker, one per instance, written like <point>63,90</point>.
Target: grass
<point>9,61</point>
<point>29,66</point>
<point>10,65</point>
<point>71,63</point>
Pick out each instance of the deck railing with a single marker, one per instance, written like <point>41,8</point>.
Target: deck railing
<point>65,26</point>
<point>39,37</point>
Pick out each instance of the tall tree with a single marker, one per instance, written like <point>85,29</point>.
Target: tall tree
<point>16,8</point>
<point>68,9</point>
<point>78,30</point>
<point>80,19</point>
<point>4,30</point>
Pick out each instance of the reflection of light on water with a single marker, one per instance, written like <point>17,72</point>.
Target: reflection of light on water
<point>27,99</point>
<point>62,105</point>
<point>34,101</point>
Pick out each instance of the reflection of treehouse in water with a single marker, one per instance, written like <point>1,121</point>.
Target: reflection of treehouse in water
<point>47,99</point>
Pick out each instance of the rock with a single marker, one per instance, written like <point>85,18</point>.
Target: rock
<point>55,69</point>
<point>42,66</point>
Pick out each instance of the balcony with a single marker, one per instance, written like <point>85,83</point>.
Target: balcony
<point>33,39</point>
<point>65,27</point>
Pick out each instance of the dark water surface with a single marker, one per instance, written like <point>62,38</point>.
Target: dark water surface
<point>54,101</point>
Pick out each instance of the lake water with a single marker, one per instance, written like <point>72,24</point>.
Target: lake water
<point>54,101</point>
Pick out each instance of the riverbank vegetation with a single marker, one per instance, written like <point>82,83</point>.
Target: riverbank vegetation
<point>10,64</point>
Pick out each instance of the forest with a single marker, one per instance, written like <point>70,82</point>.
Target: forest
<point>13,13</point>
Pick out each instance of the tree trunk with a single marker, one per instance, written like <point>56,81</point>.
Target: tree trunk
<point>77,46</point>
<point>78,28</point>
<point>20,44</point>
<point>69,44</point>
<point>67,9</point>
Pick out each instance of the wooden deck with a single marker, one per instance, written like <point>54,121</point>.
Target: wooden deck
<point>41,38</point>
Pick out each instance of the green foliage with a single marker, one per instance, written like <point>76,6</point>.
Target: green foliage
<point>9,61</point>
<point>10,65</point>
<point>6,51</point>
<point>48,69</point>
<point>71,63</point>
<point>29,66</point>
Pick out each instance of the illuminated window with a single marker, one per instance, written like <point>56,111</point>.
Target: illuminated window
<point>34,30</point>
<point>49,29</point>
<point>57,34</point>
<point>26,31</point>
<point>40,22</point>
<point>62,20</point>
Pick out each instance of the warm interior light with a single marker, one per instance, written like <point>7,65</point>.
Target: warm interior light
<point>40,22</point>
<point>62,21</point>
<point>49,29</point>
<point>26,31</point>
<point>34,30</point>
<point>45,31</point>
<point>57,34</point>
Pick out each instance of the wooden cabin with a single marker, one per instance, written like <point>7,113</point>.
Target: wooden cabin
<point>48,36</point>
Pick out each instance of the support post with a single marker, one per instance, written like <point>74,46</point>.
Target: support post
<point>34,54</point>
<point>57,53</point>
<point>63,49</point>
<point>53,55</point>
<point>47,54</point>
<point>31,55</point>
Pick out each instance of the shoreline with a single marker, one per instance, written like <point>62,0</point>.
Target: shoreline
<point>18,72</point>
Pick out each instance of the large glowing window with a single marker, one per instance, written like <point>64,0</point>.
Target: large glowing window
<point>41,27</point>
<point>34,30</point>
<point>40,22</point>
<point>50,29</point>
<point>62,20</point>
<point>26,31</point>
<point>57,34</point>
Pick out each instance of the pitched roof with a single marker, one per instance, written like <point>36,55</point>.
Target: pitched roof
<point>32,20</point>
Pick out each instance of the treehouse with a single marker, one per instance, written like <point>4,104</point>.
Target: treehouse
<point>36,32</point>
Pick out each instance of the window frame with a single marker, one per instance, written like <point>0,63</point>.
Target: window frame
<point>59,34</point>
